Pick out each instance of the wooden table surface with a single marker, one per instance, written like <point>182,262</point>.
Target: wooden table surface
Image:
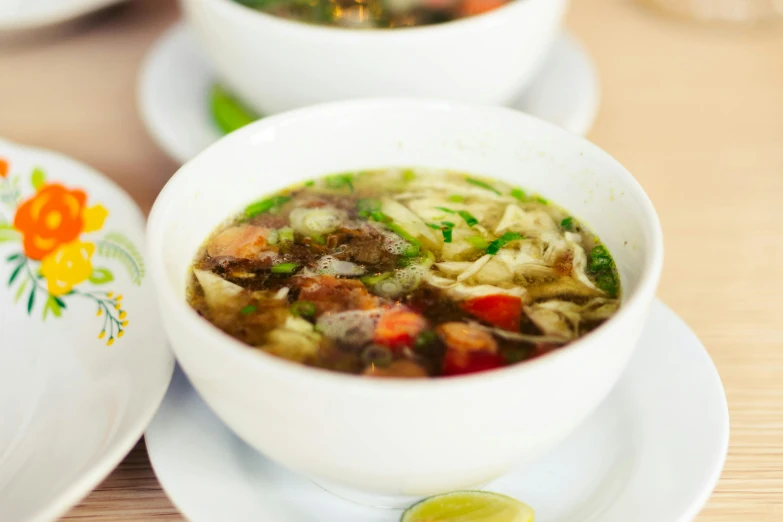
<point>695,112</point>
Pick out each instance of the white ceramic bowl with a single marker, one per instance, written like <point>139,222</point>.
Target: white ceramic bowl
<point>391,437</point>
<point>275,64</point>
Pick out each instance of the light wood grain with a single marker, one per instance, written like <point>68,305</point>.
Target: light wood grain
<point>696,113</point>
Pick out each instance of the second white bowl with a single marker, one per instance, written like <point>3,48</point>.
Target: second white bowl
<point>275,64</point>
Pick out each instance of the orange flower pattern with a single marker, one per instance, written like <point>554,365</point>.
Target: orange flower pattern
<point>52,217</point>
<point>55,260</point>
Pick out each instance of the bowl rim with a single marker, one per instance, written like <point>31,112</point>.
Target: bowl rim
<point>498,16</point>
<point>640,299</point>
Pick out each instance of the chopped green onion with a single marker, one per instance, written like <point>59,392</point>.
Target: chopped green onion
<point>285,234</point>
<point>284,268</point>
<point>567,223</point>
<point>600,259</point>
<point>448,224</point>
<point>456,198</point>
<point>477,242</point>
<point>541,200</point>
<point>502,241</point>
<point>380,217</point>
<point>303,309</point>
<point>424,339</point>
<point>412,250</point>
<point>447,234</point>
<point>468,217</point>
<point>446,210</point>
<point>365,207</point>
<point>397,229</point>
<point>482,184</point>
<point>338,181</point>
<point>247,310</point>
<point>433,225</point>
<point>309,183</point>
<point>265,205</point>
<point>608,283</point>
<point>372,280</point>
<point>319,240</point>
<point>408,175</point>
<point>519,194</point>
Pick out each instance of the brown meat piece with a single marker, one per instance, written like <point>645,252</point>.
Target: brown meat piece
<point>330,294</point>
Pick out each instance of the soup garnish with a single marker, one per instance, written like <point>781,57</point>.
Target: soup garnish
<point>367,14</point>
<point>404,273</point>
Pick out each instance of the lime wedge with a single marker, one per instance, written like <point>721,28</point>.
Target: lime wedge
<point>469,506</point>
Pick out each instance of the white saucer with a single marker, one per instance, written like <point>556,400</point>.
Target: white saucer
<point>175,80</point>
<point>72,404</point>
<point>33,14</point>
<point>651,453</point>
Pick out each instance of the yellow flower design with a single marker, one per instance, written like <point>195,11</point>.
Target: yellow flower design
<point>67,266</point>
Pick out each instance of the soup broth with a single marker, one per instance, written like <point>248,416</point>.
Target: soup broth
<point>369,14</point>
<point>404,273</point>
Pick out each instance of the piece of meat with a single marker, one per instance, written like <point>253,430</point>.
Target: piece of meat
<point>241,241</point>
<point>330,294</point>
<point>369,250</point>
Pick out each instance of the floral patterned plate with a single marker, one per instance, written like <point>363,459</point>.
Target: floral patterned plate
<point>83,360</point>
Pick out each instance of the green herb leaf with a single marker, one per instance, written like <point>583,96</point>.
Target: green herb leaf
<point>247,310</point>
<point>408,175</point>
<point>542,200</point>
<point>366,206</point>
<point>502,241</point>
<point>265,205</point>
<point>284,268</point>
<point>519,194</point>
<point>600,259</point>
<point>456,198</point>
<point>309,183</point>
<point>468,217</point>
<point>446,210</point>
<point>101,276</point>
<point>303,309</point>
<point>338,181</point>
<point>608,283</point>
<point>567,223</point>
<point>447,234</point>
<point>433,225</point>
<point>425,339</point>
<point>482,184</point>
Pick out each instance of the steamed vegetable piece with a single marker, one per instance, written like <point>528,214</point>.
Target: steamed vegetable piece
<point>404,273</point>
